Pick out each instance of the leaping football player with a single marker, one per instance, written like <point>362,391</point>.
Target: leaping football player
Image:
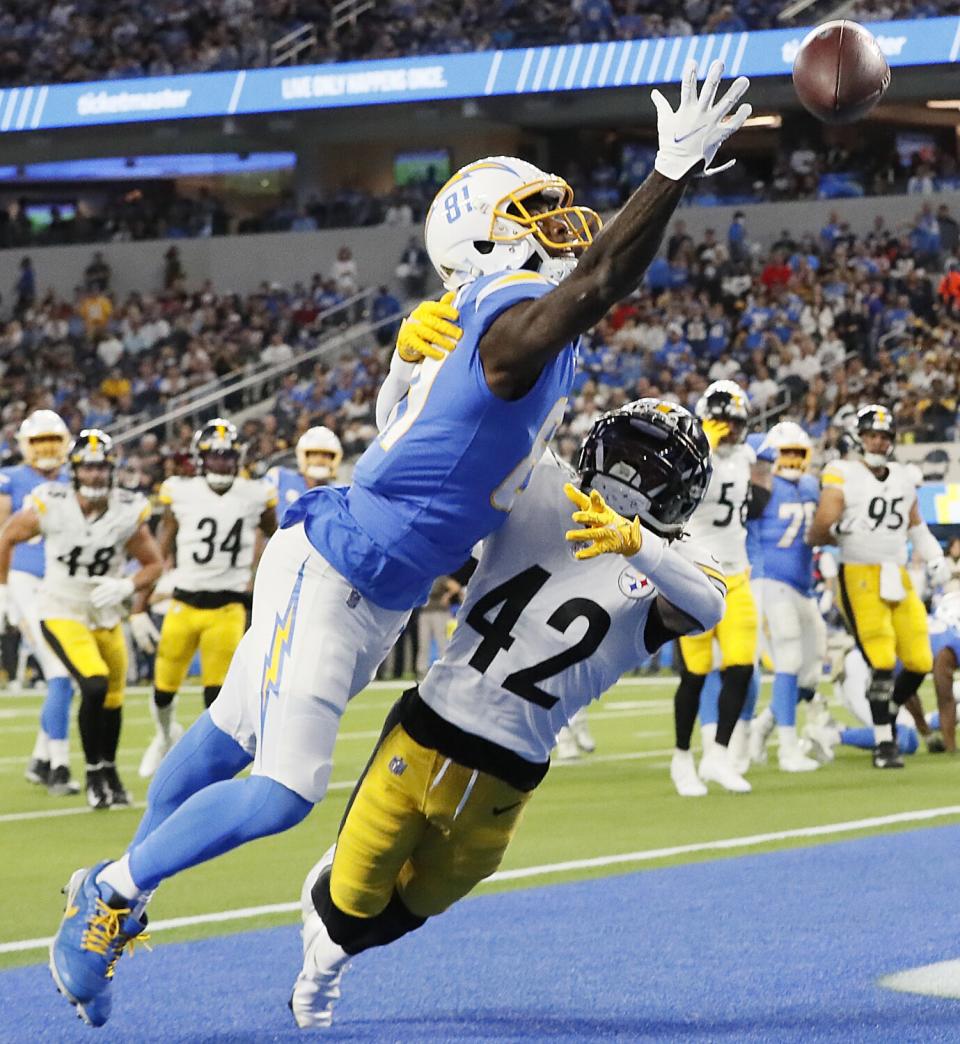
<point>338,581</point>
<point>544,629</point>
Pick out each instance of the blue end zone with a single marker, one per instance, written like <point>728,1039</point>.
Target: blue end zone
<point>780,947</point>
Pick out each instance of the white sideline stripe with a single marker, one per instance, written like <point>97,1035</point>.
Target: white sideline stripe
<point>931,980</point>
<point>725,844</point>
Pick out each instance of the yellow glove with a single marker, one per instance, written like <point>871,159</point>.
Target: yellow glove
<point>429,331</point>
<point>607,533</point>
<point>715,430</point>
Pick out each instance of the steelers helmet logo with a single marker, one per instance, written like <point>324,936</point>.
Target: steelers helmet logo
<point>635,585</point>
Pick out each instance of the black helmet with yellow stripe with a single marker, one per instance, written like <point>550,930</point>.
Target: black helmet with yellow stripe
<point>217,453</point>
<point>92,448</point>
<point>875,419</point>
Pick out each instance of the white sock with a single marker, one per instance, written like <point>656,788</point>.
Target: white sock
<point>59,753</point>
<point>163,716</point>
<point>117,876</point>
<point>788,738</point>
<point>41,749</point>
<point>883,733</point>
<point>708,735</point>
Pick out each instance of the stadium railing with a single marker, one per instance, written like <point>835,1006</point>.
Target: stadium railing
<point>229,383</point>
<point>247,387</point>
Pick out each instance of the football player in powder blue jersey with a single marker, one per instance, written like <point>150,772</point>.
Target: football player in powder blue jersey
<point>337,582</point>
<point>319,454</point>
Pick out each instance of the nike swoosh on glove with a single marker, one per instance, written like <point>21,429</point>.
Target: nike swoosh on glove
<point>607,533</point>
<point>694,132</point>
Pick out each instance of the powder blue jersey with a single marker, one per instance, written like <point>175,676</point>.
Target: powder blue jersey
<point>943,637</point>
<point>781,530</point>
<point>755,440</point>
<point>446,468</point>
<point>16,482</point>
<point>289,484</point>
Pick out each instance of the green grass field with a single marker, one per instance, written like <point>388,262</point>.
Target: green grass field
<point>618,800</point>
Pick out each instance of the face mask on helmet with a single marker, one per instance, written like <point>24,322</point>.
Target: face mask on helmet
<point>44,441</point>
<point>875,435</point>
<point>319,454</point>
<point>319,465</point>
<point>220,468</point>
<point>93,481</point>
<point>649,459</point>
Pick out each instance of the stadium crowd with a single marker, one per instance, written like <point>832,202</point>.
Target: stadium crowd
<point>55,41</point>
<point>823,321</point>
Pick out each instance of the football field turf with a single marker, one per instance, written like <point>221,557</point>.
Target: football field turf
<point>611,813</point>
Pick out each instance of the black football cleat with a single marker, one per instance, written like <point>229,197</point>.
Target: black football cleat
<point>119,795</point>
<point>887,756</point>
<point>98,796</point>
<point>60,784</point>
<point>38,772</point>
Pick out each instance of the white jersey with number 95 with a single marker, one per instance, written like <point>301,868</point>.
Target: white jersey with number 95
<point>720,522</point>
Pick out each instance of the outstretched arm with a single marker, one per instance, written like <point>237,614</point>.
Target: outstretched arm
<point>524,338</point>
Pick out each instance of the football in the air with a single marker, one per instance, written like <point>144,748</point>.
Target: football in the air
<point>840,72</point>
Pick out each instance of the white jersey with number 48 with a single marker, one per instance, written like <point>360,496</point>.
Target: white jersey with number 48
<point>81,550</point>
<point>540,633</point>
<point>720,522</point>
<point>876,511</point>
<point>216,531</point>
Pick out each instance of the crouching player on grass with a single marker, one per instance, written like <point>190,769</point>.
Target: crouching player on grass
<point>546,627</point>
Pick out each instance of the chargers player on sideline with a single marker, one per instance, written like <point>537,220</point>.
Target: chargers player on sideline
<point>868,507</point>
<point>719,524</point>
<point>319,454</point>
<point>337,582</point>
<point>89,532</point>
<point>218,520</point>
<point>543,631</point>
<point>791,620</point>
<point>43,440</point>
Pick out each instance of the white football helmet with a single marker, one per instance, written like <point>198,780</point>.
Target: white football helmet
<point>948,611</point>
<point>319,454</point>
<point>478,224</point>
<point>44,440</point>
<point>788,438</point>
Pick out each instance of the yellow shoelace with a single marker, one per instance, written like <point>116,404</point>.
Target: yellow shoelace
<point>130,944</point>
<point>102,928</point>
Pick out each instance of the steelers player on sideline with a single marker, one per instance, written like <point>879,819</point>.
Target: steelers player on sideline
<point>319,454</point>
<point>868,507</point>
<point>546,627</point>
<point>217,521</point>
<point>337,583</point>
<point>43,440</point>
<point>736,493</point>
<point>90,531</point>
<point>795,632</point>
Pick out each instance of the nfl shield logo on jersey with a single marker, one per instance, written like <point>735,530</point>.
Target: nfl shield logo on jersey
<point>397,766</point>
<point>634,584</point>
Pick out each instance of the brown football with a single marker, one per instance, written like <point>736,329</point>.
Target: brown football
<point>840,72</point>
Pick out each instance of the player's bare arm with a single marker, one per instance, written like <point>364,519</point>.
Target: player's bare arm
<point>524,338</point>
<point>144,548</point>
<point>6,507</point>
<point>827,515</point>
<point>266,527</point>
<point>167,536</point>
<point>20,527</point>
<point>944,664</point>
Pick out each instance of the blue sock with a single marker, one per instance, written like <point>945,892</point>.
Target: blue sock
<point>753,694</point>
<point>215,820</point>
<point>908,739</point>
<point>710,700</point>
<point>203,756</point>
<point>784,702</point>
<point>935,720</point>
<point>55,716</point>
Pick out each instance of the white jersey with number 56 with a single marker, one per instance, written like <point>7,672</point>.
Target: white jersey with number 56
<point>541,634</point>
<point>720,522</point>
<point>81,550</point>
<point>876,511</point>
<point>216,531</point>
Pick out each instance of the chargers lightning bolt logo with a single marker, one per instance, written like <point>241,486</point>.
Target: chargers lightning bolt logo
<point>280,644</point>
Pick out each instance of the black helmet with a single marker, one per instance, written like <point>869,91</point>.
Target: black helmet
<point>92,446</point>
<point>217,437</point>
<point>725,401</point>
<point>649,458</point>
<point>874,418</point>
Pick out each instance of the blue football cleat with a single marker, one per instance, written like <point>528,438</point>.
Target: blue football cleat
<point>97,927</point>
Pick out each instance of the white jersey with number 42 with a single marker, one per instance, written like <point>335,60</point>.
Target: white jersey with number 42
<point>81,550</point>
<point>720,522</point>
<point>876,511</point>
<point>216,532</point>
<point>540,633</point>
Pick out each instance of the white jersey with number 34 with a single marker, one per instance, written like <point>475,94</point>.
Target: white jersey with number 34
<point>720,522</point>
<point>876,511</point>
<point>540,633</point>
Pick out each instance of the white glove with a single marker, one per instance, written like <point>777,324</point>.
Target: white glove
<point>697,129</point>
<point>4,608</point>
<point>939,572</point>
<point>111,591</point>
<point>825,604</point>
<point>144,632</point>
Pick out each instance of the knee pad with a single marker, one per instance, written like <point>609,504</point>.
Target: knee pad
<point>163,698</point>
<point>356,934</point>
<point>93,691</point>
<point>738,675</point>
<point>210,693</point>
